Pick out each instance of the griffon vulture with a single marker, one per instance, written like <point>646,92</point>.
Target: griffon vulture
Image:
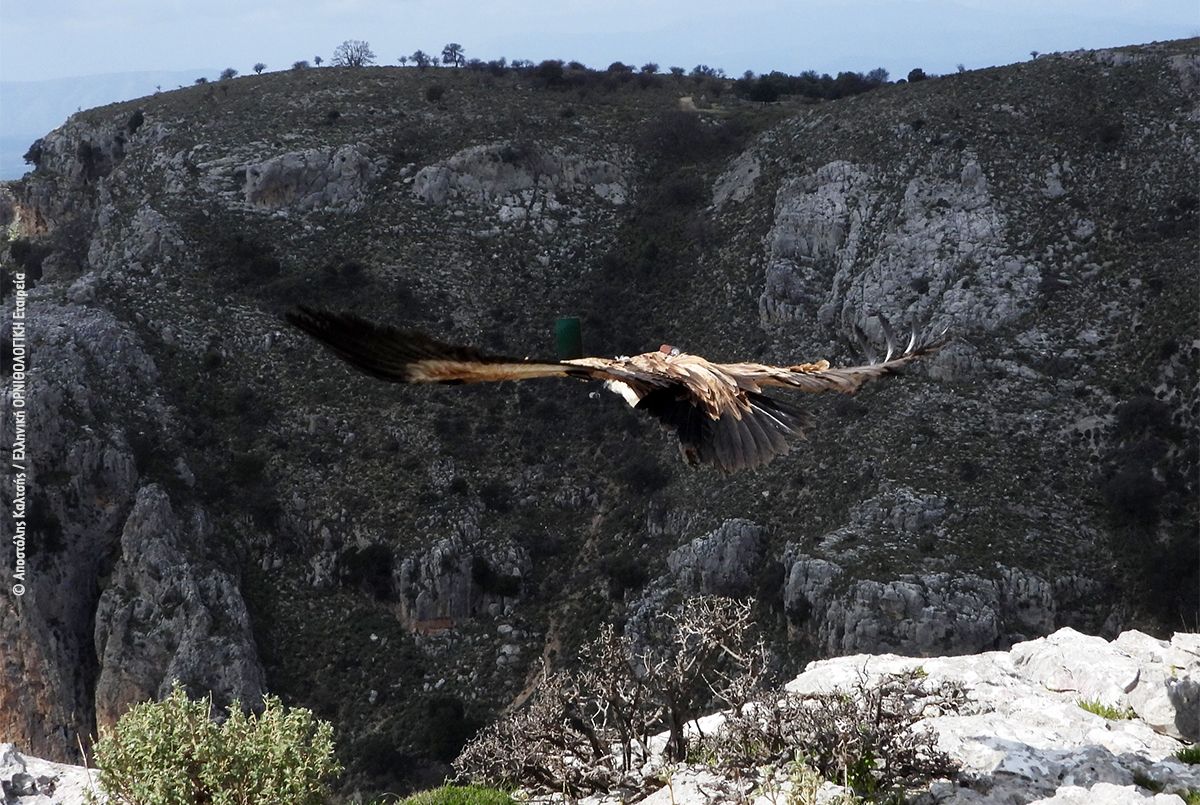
<point>718,410</point>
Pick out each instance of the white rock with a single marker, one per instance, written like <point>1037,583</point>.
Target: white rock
<point>34,781</point>
<point>1106,794</point>
<point>1088,666</point>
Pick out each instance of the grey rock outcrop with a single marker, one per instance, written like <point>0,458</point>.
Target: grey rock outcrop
<point>166,616</point>
<point>737,182</point>
<point>723,562</point>
<point>117,603</point>
<point>921,614</point>
<point>840,246</point>
<point>85,479</point>
<point>314,178</point>
<point>517,180</point>
<point>27,780</point>
<point>458,579</point>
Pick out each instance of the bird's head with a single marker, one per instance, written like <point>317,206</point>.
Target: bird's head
<point>669,351</point>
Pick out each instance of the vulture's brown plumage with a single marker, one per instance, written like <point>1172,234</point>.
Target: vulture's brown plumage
<point>718,410</point>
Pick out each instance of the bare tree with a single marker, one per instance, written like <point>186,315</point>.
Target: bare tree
<point>589,730</point>
<point>259,67</point>
<point>421,59</point>
<point>453,54</point>
<point>353,53</point>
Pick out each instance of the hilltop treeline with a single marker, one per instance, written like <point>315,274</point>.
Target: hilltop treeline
<point>560,74</point>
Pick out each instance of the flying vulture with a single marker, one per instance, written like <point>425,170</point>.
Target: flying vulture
<point>718,410</point>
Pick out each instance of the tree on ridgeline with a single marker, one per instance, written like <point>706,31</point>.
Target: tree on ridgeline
<point>228,73</point>
<point>421,59</point>
<point>453,54</point>
<point>300,65</point>
<point>317,60</point>
<point>353,53</point>
<point>403,61</point>
<point>259,67</point>
<point>916,74</point>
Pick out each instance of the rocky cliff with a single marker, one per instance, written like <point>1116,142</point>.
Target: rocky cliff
<point>214,499</point>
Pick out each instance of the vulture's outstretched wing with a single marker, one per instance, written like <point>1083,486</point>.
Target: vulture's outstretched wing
<point>717,410</point>
<point>409,356</point>
<point>820,376</point>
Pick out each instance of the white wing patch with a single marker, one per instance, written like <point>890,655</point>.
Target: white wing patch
<point>622,388</point>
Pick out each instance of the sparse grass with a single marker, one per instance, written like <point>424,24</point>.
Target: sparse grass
<point>1144,781</point>
<point>1189,754</point>
<point>1097,707</point>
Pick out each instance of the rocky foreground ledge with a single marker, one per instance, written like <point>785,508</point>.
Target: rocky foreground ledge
<point>1023,737</point>
<point>26,780</point>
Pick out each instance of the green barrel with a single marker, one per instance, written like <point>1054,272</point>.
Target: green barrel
<point>568,339</point>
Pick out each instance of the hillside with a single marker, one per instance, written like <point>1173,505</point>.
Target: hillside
<point>31,108</point>
<point>214,499</point>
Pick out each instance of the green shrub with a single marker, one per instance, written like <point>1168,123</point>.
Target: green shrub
<point>460,795</point>
<point>1189,754</point>
<point>172,753</point>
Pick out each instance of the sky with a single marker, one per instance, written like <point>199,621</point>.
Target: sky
<point>44,39</point>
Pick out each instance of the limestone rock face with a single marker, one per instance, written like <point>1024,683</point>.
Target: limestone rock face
<point>724,562</point>
<point>87,363</point>
<point>736,184</point>
<point>166,617</point>
<point>840,245</point>
<point>921,614</point>
<point>118,599</point>
<point>518,181</point>
<point>310,179</point>
<point>457,579</point>
<point>79,155</point>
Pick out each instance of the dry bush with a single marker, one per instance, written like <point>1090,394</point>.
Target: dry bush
<point>864,738</point>
<point>590,729</point>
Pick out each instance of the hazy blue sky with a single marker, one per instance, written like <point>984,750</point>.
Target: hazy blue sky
<point>57,38</point>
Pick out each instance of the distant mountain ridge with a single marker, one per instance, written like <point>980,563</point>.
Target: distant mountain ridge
<point>29,109</point>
